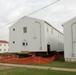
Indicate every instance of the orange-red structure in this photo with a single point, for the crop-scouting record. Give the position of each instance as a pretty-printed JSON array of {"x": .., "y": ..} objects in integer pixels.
[{"x": 30, "y": 60}]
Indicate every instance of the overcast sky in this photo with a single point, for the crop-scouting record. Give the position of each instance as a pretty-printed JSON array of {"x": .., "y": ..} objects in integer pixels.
[{"x": 56, "y": 14}]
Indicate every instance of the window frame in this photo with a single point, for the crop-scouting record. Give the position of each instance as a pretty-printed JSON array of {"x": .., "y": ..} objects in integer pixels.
[{"x": 24, "y": 29}]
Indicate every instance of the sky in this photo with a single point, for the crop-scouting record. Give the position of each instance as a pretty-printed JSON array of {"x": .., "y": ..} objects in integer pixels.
[{"x": 56, "y": 14}]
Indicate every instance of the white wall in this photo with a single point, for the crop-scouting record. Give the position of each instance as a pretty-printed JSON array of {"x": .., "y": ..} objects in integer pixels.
[
  {"x": 70, "y": 54},
  {"x": 32, "y": 36},
  {"x": 4, "y": 47},
  {"x": 54, "y": 38}
]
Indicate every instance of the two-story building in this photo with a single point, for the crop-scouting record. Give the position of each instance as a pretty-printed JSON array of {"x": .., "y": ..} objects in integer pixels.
[{"x": 4, "y": 46}]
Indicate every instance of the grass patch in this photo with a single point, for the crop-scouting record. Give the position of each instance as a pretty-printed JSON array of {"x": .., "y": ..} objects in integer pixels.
[
  {"x": 61, "y": 64},
  {"x": 27, "y": 71},
  {"x": 3, "y": 67}
]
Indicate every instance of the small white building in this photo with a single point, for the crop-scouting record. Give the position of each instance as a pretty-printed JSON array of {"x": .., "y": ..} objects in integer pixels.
[
  {"x": 4, "y": 46},
  {"x": 70, "y": 40},
  {"x": 34, "y": 35}
]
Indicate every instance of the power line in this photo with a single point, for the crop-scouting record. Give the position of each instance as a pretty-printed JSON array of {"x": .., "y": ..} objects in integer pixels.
[
  {"x": 7, "y": 24},
  {"x": 43, "y": 8},
  {"x": 32, "y": 13}
]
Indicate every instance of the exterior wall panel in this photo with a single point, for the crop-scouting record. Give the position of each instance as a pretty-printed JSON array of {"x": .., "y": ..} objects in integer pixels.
[{"x": 69, "y": 35}]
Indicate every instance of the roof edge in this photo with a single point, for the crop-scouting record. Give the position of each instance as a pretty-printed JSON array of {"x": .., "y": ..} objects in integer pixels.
[{"x": 53, "y": 27}]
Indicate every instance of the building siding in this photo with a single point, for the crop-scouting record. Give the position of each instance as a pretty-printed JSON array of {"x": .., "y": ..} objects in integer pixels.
[{"x": 69, "y": 53}]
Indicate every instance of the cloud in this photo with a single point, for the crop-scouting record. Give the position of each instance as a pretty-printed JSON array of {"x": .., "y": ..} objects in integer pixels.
[{"x": 56, "y": 15}]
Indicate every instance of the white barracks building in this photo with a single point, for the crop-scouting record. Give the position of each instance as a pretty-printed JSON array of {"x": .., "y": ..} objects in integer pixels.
[
  {"x": 70, "y": 40},
  {"x": 34, "y": 35},
  {"x": 4, "y": 46}
]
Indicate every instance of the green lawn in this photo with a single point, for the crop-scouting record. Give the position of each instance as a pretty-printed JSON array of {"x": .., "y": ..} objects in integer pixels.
[
  {"x": 27, "y": 71},
  {"x": 61, "y": 64}
]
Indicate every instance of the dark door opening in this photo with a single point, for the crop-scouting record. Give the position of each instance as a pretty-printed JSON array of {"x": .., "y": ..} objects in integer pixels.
[{"x": 48, "y": 49}]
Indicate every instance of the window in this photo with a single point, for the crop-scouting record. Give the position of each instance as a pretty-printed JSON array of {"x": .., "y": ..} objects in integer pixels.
[
  {"x": 26, "y": 43},
  {"x": 13, "y": 29},
  {"x": 4, "y": 49},
  {"x": 4, "y": 44},
  {"x": 52, "y": 30},
  {"x": 59, "y": 44},
  {"x": 0, "y": 49},
  {"x": 13, "y": 42},
  {"x": 58, "y": 35},
  {"x": 47, "y": 29},
  {"x": 23, "y": 43},
  {"x": 0, "y": 44},
  {"x": 25, "y": 29}
]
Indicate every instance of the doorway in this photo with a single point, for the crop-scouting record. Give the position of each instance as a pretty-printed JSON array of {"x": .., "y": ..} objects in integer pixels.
[{"x": 48, "y": 49}]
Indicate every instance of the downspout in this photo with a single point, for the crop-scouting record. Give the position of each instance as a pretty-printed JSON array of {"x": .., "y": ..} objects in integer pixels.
[{"x": 40, "y": 35}]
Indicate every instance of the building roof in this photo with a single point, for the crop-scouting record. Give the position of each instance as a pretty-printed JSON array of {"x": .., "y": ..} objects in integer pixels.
[
  {"x": 3, "y": 41},
  {"x": 74, "y": 18},
  {"x": 53, "y": 28},
  {"x": 41, "y": 20}
]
